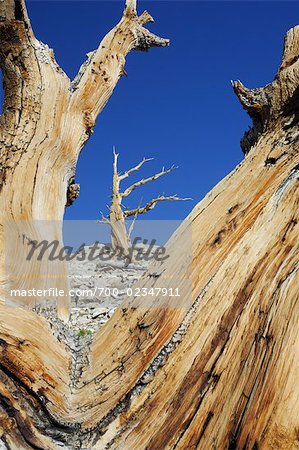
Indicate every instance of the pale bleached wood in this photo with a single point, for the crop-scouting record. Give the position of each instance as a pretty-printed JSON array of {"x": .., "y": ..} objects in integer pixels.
[
  {"x": 46, "y": 121},
  {"x": 218, "y": 370},
  {"x": 120, "y": 235},
  {"x": 234, "y": 369}
]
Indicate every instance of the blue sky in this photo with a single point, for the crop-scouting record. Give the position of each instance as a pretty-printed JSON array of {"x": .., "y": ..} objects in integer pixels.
[{"x": 177, "y": 104}]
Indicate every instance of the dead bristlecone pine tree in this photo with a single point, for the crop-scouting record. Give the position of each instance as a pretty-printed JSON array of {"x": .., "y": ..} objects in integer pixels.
[
  {"x": 219, "y": 371},
  {"x": 120, "y": 233}
]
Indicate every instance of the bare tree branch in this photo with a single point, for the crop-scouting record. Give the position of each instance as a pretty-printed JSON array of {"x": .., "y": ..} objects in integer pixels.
[
  {"x": 104, "y": 219},
  {"x": 134, "y": 221},
  {"x": 128, "y": 172},
  {"x": 152, "y": 203},
  {"x": 130, "y": 8},
  {"x": 264, "y": 105},
  {"x": 99, "y": 75},
  {"x": 115, "y": 159},
  {"x": 145, "y": 18},
  {"x": 146, "y": 180}
]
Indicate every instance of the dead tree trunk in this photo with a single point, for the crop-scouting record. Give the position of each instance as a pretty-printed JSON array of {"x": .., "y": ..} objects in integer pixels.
[
  {"x": 47, "y": 120},
  {"x": 120, "y": 235},
  {"x": 219, "y": 372}
]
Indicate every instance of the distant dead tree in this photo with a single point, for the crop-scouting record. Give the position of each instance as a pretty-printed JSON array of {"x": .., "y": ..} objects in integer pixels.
[{"x": 120, "y": 234}]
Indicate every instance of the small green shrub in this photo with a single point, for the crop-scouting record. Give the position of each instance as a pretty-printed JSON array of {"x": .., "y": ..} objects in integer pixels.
[{"x": 83, "y": 332}]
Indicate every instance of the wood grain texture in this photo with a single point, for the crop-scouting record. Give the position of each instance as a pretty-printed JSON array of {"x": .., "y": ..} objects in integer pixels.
[
  {"x": 218, "y": 371},
  {"x": 46, "y": 121}
]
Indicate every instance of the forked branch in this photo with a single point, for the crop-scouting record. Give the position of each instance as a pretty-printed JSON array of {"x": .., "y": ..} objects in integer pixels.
[
  {"x": 146, "y": 180},
  {"x": 133, "y": 169},
  {"x": 152, "y": 203},
  {"x": 99, "y": 75}
]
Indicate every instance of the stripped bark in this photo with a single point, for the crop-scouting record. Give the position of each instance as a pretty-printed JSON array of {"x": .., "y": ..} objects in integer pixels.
[
  {"x": 47, "y": 119},
  {"x": 266, "y": 105},
  {"x": 218, "y": 372}
]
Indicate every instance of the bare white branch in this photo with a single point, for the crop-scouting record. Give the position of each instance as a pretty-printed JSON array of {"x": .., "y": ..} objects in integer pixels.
[
  {"x": 152, "y": 203},
  {"x": 137, "y": 167},
  {"x": 146, "y": 180},
  {"x": 115, "y": 159},
  {"x": 100, "y": 73},
  {"x": 134, "y": 220},
  {"x": 104, "y": 219}
]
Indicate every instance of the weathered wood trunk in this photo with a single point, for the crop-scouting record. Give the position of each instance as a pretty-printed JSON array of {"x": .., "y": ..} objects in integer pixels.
[
  {"x": 219, "y": 372},
  {"x": 119, "y": 235},
  {"x": 47, "y": 120}
]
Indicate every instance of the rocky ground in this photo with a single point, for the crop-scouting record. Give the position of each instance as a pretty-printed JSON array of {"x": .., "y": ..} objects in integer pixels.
[{"x": 100, "y": 287}]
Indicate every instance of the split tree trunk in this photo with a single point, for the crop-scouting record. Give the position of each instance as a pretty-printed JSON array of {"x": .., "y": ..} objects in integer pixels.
[
  {"x": 221, "y": 370},
  {"x": 47, "y": 120}
]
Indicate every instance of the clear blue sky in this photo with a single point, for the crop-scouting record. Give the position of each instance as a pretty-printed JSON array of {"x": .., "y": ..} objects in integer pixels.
[{"x": 177, "y": 104}]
